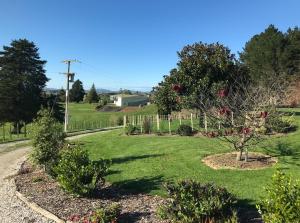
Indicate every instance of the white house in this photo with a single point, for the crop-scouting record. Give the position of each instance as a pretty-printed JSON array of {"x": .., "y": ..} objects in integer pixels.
[{"x": 130, "y": 100}]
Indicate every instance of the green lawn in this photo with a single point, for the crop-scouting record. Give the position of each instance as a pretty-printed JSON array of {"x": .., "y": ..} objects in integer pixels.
[
  {"x": 85, "y": 116},
  {"x": 143, "y": 163}
]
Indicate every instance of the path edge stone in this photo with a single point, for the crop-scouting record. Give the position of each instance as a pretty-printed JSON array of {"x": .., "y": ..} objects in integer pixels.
[{"x": 36, "y": 208}]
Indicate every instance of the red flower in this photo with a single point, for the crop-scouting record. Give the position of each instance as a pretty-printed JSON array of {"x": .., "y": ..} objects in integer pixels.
[
  {"x": 177, "y": 88},
  {"x": 264, "y": 114},
  {"x": 224, "y": 111},
  {"x": 246, "y": 130},
  {"x": 223, "y": 93}
]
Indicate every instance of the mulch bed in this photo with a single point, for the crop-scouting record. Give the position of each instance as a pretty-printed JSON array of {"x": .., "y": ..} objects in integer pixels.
[
  {"x": 228, "y": 161},
  {"x": 38, "y": 187}
]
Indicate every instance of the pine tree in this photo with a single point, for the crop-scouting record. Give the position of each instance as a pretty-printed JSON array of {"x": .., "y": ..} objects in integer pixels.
[
  {"x": 77, "y": 92},
  {"x": 22, "y": 79},
  {"x": 92, "y": 96}
]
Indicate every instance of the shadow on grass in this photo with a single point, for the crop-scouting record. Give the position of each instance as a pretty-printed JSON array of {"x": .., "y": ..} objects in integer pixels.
[
  {"x": 130, "y": 187},
  {"x": 247, "y": 212},
  {"x": 288, "y": 154},
  {"x": 119, "y": 160}
]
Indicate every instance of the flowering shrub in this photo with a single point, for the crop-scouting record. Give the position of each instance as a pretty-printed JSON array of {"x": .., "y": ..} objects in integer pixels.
[
  {"x": 192, "y": 202},
  {"x": 102, "y": 215},
  {"x": 224, "y": 111},
  {"x": 282, "y": 200},
  {"x": 177, "y": 88},
  {"x": 223, "y": 93}
]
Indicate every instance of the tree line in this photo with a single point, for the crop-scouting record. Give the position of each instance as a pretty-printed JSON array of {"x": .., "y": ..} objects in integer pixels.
[{"x": 202, "y": 69}]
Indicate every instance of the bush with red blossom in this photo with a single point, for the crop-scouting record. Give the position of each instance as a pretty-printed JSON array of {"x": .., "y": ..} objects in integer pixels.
[
  {"x": 177, "y": 88},
  {"x": 264, "y": 114},
  {"x": 223, "y": 93},
  {"x": 224, "y": 111},
  {"x": 246, "y": 130}
]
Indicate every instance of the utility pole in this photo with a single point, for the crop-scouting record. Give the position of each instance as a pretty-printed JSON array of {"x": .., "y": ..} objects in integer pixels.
[{"x": 70, "y": 78}]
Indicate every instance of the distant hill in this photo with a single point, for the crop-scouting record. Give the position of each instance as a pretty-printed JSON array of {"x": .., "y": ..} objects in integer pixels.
[{"x": 104, "y": 91}]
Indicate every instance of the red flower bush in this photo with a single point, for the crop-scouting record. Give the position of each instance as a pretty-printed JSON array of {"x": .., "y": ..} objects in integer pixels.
[
  {"x": 224, "y": 111},
  {"x": 264, "y": 114},
  {"x": 246, "y": 131},
  {"x": 177, "y": 88},
  {"x": 223, "y": 93}
]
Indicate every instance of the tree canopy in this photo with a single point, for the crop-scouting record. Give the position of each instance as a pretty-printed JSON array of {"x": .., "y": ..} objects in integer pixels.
[
  {"x": 77, "y": 92},
  {"x": 92, "y": 96},
  {"x": 201, "y": 68},
  {"x": 22, "y": 79},
  {"x": 272, "y": 54}
]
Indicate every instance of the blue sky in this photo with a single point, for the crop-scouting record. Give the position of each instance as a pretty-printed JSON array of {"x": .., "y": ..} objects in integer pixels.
[{"x": 133, "y": 43}]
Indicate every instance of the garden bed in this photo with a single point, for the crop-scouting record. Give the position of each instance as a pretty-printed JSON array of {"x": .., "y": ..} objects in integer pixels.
[
  {"x": 228, "y": 161},
  {"x": 38, "y": 187}
]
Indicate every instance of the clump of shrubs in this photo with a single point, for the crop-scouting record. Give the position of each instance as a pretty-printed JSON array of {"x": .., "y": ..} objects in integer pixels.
[
  {"x": 47, "y": 140},
  {"x": 79, "y": 175},
  {"x": 130, "y": 129},
  {"x": 185, "y": 130},
  {"x": 190, "y": 202},
  {"x": 109, "y": 214},
  {"x": 280, "y": 125},
  {"x": 282, "y": 200}
]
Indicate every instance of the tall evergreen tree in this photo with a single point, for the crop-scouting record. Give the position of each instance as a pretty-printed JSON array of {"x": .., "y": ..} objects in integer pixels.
[
  {"x": 92, "y": 96},
  {"x": 77, "y": 92},
  {"x": 62, "y": 95},
  {"x": 263, "y": 54},
  {"x": 22, "y": 79}
]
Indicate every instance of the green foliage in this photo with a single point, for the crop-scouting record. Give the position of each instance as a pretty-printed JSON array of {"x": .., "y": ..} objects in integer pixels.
[
  {"x": 282, "y": 200},
  {"x": 130, "y": 129},
  {"x": 147, "y": 125},
  {"x": 50, "y": 101},
  {"x": 77, "y": 92},
  {"x": 272, "y": 54},
  {"x": 192, "y": 202},
  {"x": 77, "y": 174},
  {"x": 62, "y": 95},
  {"x": 47, "y": 140},
  {"x": 280, "y": 124},
  {"x": 22, "y": 79},
  {"x": 202, "y": 68},
  {"x": 108, "y": 214},
  {"x": 92, "y": 96},
  {"x": 185, "y": 130}
]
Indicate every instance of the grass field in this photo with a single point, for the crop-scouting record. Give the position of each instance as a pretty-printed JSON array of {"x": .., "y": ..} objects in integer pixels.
[{"x": 143, "y": 163}]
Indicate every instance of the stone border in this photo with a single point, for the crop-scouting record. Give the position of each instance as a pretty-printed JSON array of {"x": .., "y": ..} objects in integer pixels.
[
  {"x": 209, "y": 164},
  {"x": 38, "y": 209}
]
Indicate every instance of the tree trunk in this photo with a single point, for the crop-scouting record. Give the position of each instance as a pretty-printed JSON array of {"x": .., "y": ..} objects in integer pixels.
[
  {"x": 17, "y": 126},
  {"x": 246, "y": 155},
  {"x": 239, "y": 155}
]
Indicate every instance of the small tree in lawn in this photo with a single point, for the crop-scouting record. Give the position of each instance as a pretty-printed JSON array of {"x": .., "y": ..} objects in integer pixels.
[{"x": 242, "y": 109}]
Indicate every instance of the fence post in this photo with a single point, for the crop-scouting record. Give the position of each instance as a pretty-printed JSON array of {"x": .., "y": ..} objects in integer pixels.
[
  {"x": 192, "y": 124},
  {"x": 205, "y": 122},
  {"x": 232, "y": 120},
  {"x": 141, "y": 123},
  {"x": 124, "y": 121},
  {"x": 3, "y": 132},
  {"x": 169, "y": 120},
  {"x": 179, "y": 118},
  {"x": 157, "y": 121},
  {"x": 219, "y": 122},
  {"x": 25, "y": 131}
]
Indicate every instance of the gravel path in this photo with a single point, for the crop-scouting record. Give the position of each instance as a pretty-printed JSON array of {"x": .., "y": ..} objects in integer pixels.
[{"x": 12, "y": 210}]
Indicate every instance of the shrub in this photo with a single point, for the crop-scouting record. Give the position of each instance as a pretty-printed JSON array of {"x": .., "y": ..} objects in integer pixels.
[
  {"x": 47, "y": 140},
  {"x": 130, "y": 129},
  {"x": 185, "y": 130},
  {"x": 120, "y": 121},
  {"x": 280, "y": 125},
  {"x": 77, "y": 174},
  {"x": 102, "y": 215},
  {"x": 192, "y": 202},
  {"x": 282, "y": 200},
  {"x": 147, "y": 126}
]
